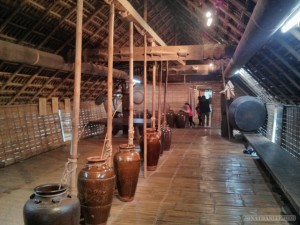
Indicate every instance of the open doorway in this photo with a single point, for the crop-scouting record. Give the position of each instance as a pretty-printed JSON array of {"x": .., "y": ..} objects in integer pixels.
[{"x": 208, "y": 93}]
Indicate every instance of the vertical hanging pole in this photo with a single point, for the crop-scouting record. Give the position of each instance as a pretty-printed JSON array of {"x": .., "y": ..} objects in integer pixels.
[
  {"x": 165, "y": 95},
  {"x": 130, "y": 123},
  {"x": 153, "y": 90},
  {"x": 110, "y": 81},
  {"x": 159, "y": 100},
  {"x": 145, "y": 93},
  {"x": 226, "y": 105},
  {"x": 76, "y": 99}
]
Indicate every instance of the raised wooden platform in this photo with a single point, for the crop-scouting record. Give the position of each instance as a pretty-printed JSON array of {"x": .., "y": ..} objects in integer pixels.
[
  {"x": 284, "y": 168},
  {"x": 203, "y": 180}
]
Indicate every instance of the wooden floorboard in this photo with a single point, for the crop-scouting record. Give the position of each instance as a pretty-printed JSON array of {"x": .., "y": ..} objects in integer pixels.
[{"x": 203, "y": 179}]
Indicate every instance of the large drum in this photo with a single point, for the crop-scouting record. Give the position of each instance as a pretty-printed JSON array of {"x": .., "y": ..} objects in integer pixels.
[{"x": 247, "y": 113}]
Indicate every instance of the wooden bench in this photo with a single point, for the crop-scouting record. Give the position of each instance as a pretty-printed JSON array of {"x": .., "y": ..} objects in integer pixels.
[{"x": 284, "y": 168}]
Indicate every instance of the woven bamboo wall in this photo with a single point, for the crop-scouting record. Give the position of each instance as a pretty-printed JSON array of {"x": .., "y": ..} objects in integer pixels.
[
  {"x": 24, "y": 133},
  {"x": 89, "y": 111}
]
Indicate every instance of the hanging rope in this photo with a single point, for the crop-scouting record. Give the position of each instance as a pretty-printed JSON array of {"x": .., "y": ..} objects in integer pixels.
[
  {"x": 66, "y": 174},
  {"x": 108, "y": 152},
  {"x": 82, "y": 131},
  {"x": 130, "y": 135}
]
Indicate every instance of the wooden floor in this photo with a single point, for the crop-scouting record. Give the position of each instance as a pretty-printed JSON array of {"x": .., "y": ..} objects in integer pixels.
[{"x": 204, "y": 179}]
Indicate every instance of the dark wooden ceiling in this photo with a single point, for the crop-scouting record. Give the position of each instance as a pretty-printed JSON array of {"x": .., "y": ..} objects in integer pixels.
[{"x": 50, "y": 25}]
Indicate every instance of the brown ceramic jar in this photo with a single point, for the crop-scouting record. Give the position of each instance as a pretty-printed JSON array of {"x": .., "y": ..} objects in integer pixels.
[
  {"x": 96, "y": 185},
  {"x": 127, "y": 163},
  {"x": 153, "y": 149}
]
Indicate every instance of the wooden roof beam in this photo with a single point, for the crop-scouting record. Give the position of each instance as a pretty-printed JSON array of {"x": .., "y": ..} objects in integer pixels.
[
  {"x": 284, "y": 62},
  {"x": 127, "y": 11},
  {"x": 163, "y": 53},
  {"x": 273, "y": 75}
]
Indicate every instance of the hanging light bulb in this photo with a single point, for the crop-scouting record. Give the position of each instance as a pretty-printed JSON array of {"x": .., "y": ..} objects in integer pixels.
[
  {"x": 295, "y": 19},
  {"x": 209, "y": 22},
  {"x": 208, "y": 14}
]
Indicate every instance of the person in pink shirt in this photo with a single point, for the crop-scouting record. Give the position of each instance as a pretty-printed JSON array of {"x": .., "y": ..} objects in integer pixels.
[{"x": 190, "y": 113}]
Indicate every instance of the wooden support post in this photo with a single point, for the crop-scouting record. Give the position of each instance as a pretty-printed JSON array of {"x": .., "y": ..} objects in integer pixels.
[
  {"x": 54, "y": 105},
  {"x": 226, "y": 104},
  {"x": 76, "y": 99},
  {"x": 153, "y": 91},
  {"x": 108, "y": 144},
  {"x": 153, "y": 94},
  {"x": 145, "y": 108},
  {"x": 165, "y": 95},
  {"x": 67, "y": 105},
  {"x": 42, "y": 106},
  {"x": 145, "y": 10},
  {"x": 159, "y": 101},
  {"x": 130, "y": 123}
]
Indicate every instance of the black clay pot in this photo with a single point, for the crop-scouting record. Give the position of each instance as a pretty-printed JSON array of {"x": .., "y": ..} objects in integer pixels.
[
  {"x": 181, "y": 119},
  {"x": 167, "y": 136},
  {"x": 51, "y": 204},
  {"x": 170, "y": 116}
]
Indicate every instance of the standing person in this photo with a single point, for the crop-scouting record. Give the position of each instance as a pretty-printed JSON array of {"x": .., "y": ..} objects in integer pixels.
[
  {"x": 205, "y": 111},
  {"x": 199, "y": 112},
  {"x": 190, "y": 113}
]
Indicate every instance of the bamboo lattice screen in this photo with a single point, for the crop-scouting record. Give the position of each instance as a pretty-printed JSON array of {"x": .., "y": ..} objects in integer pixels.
[{"x": 24, "y": 133}]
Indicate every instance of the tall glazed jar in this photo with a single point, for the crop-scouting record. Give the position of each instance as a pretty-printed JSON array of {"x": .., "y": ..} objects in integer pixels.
[
  {"x": 167, "y": 138},
  {"x": 153, "y": 149},
  {"x": 96, "y": 184},
  {"x": 170, "y": 116},
  {"x": 127, "y": 163},
  {"x": 51, "y": 204},
  {"x": 181, "y": 119}
]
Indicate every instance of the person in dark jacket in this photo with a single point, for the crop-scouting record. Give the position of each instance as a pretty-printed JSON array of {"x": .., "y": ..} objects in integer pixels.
[
  {"x": 199, "y": 112},
  {"x": 205, "y": 111}
]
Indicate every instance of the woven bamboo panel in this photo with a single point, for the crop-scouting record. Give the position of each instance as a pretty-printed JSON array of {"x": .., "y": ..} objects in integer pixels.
[
  {"x": 89, "y": 111},
  {"x": 24, "y": 133}
]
